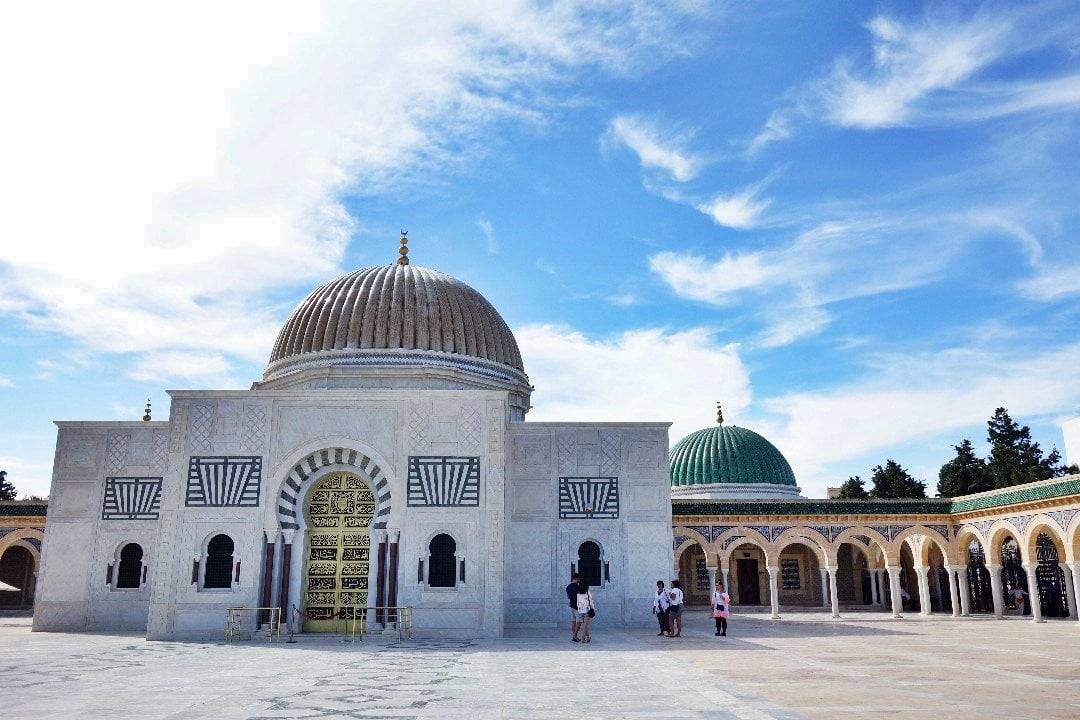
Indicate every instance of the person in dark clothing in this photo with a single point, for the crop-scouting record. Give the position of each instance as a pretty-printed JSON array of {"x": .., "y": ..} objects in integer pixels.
[
  {"x": 660, "y": 608},
  {"x": 571, "y": 599}
]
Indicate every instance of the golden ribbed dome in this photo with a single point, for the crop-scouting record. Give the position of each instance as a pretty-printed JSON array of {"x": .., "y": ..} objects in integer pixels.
[{"x": 396, "y": 307}]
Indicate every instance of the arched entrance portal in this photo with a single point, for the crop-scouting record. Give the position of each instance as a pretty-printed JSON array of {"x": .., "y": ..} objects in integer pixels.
[
  {"x": 17, "y": 570},
  {"x": 337, "y": 561}
]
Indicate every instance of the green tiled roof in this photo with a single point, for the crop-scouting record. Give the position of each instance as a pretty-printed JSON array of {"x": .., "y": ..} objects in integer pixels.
[
  {"x": 23, "y": 509},
  {"x": 1020, "y": 494},
  {"x": 728, "y": 454},
  {"x": 932, "y": 506}
]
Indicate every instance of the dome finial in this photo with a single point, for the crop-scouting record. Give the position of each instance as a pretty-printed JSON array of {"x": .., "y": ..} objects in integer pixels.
[
  {"x": 719, "y": 414},
  {"x": 403, "y": 251},
  {"x": 146, "y": 413}
]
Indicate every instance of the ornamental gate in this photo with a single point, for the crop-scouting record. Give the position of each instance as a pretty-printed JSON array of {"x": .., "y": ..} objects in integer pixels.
[{"x": 338, "y": 560}]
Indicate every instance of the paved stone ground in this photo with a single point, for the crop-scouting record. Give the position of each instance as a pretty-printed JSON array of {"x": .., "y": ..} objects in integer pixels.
[{"x": 804, "y": 666}]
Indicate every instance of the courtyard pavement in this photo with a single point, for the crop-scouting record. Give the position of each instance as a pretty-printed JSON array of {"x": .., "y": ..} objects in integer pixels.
[{"x": 806, "y": 665}]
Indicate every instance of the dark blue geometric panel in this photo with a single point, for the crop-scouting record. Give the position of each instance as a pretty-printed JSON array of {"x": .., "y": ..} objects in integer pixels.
[
  {"x": 224, "y": 481},
  {"x": 131, "y": 498},
  {"x": 588, "y": 498},
  {"x": 444, "y": 481}
]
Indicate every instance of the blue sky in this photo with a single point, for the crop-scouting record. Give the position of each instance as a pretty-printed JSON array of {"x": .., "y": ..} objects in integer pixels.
[{"x": 856, "y": 225}]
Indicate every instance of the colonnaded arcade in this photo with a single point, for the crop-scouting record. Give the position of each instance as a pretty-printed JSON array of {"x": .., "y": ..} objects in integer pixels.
[{"x": 384, "y": 460}]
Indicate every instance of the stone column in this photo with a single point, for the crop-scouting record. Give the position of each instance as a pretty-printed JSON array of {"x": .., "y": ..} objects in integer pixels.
[
  {"x": 924, "y": 590},
  {"x": 965, "y": 590},
  {"x": 834, "y": 594},
  {"x": 954, "y": 597},
  {"x": 380, "y": 579},
  {"x": 774, "y": 593},
  {"x": 286, "y": 564},
  {"x": 874, "y": 598},
  {"x": 712, "y": 581},
  {"x": 392, "y": 573},
  {"x": 727, "y": 588},
  {"x": 267, "y": 589},
  {"x": 995, "y": 590},
  {"x": 1075, "y": 567},
  {"x": 824, "y": 587},
  {"x": 894, "y": 590},
  {"x": 1033, "y": 593},
  {"x": 1070, "y": 588}
]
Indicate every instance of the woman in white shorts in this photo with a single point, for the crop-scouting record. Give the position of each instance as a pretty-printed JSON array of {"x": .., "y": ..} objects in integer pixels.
[{"x": 585, "y": 610}]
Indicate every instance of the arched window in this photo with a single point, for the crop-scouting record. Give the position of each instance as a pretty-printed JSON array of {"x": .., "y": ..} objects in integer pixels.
[
  {"x": 441, "y": 562},
  {"x": 219, "y": 562},
  {"x": 129, "y": 575},
  {"x": 589, "y": 565}
]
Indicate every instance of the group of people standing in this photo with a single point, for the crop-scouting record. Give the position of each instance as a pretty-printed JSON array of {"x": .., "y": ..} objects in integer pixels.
[{"x": 667, "y": 606}]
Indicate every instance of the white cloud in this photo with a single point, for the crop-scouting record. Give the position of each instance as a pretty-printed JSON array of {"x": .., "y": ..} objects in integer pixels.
[
  {"x": 934, "y": 70},
  {"x": 164, "y": 168},
  {"x": 6, "y": 382},
  {"x": 206, "y": 369},
  {"x": 656, "y": 147},
  {"x": 696, "y": 278},
  {"x": 488, "y": 231},
  {"x": 910, "y": 62},
  {"x": 642, "y": 374},
  {"x": 1051, "y": 283},
  {"x": 739, "y": 211},
  {"x": 546, "y": 267},
  {"x": 623, "y": 299},
  {"x": 794, "y": 324},
  {"x": 28, "y": 477},
  {"x": 790, "y": 287},
  {"x": 915, "y": 396}
]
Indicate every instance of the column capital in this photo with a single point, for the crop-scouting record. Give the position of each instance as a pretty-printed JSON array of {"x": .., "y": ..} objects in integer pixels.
[
  {"x": 773, "y": 569},
  {"x": 1074, "y": 564},
  {"x": 271, "y": 534},
  {"x": 831, "y": 569},
  {"x": 1029, "y": 567},
  {"x": 993, "y": 567},
  {"x": 393, "y": 535},
  {"x": 287, "y": 536},
  {"x": 379, "y": 536}
]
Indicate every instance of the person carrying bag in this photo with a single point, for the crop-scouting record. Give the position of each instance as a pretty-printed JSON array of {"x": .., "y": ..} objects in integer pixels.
[{"x": 721, "y": 603}]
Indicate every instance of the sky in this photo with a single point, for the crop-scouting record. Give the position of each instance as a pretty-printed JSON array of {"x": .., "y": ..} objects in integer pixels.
[{"x": 856, "y": 225}]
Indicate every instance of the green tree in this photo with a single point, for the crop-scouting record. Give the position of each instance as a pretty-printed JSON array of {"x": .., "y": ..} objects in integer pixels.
[
  {"x": 7, "y": 490},
  {"x": 1014, "y": 457},
  {"x": 853, "y": 489},
  {"x": 965, "y": 474},
  {"x": 891, "y": 481}
]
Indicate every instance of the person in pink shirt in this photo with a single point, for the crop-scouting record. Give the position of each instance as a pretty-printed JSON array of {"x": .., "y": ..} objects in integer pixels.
[{"x": 721, "y": 603}]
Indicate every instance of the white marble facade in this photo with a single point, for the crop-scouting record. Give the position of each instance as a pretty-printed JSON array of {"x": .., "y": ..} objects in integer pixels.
[
  {"x": 409, "y": 380},
  {"x": 517, "y": 543}
]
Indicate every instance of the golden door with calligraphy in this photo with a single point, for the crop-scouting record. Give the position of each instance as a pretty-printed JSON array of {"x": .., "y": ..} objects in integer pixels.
[{"x": 339, "y": 512}]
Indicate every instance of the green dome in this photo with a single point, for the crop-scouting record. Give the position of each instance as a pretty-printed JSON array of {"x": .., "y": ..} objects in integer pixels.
[{"x": 728, "y": 454}]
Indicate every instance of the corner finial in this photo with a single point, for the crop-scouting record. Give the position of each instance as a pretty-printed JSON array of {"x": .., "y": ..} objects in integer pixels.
[
  {"x": 146, "y": 413},
  {"x": 403, "y": 251},
  {"x": 719, "y": 414}
]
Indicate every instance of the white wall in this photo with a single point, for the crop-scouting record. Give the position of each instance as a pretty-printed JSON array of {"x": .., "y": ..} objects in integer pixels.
[
  {"x": 72, "y": 592},
  {"x": 541, "y": 546}
]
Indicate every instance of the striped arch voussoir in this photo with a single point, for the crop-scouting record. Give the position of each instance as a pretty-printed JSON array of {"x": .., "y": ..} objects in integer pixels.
[{"x": 301, "y": 473}]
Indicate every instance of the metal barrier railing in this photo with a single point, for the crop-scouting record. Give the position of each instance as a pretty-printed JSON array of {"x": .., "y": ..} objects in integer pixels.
[
  {"x": 396, "y": 618},
  {"x": 235, "y": 622}
]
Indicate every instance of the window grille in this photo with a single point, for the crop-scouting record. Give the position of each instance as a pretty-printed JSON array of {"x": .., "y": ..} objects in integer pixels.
[
  {"x": 442, "y": 564},
  {"x": 219, "y": 562},
  {"x": 589, "y": 564},
  {"x": 129, "y": 574}
]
